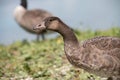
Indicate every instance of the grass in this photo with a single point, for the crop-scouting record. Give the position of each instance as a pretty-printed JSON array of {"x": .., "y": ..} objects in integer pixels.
[{"x": 44, "y": 60}]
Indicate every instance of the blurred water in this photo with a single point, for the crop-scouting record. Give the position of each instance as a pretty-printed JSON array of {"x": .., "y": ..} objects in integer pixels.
[{"x": 81, "y": 14}]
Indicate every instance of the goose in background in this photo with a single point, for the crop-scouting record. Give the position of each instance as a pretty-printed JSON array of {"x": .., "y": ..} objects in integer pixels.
[
  {"x": 28, "y": 18},
  {"x": 99, "y": 55}
]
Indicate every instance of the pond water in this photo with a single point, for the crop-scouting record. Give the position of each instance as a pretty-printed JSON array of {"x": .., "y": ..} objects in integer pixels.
[{"x": 79, "y": 14}]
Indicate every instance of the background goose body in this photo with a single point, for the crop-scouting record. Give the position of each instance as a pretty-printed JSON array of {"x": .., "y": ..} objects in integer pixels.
[
  {"x": 28, "y": 18},
  {"x": 99, "y": 55}
]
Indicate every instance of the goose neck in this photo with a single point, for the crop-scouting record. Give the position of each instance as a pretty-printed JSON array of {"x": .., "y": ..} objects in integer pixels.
[
  {"x": 71, "y": 45},
  {"x": 68, "y": 35}
]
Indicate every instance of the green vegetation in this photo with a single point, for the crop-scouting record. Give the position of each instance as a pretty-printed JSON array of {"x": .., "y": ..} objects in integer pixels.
[{"x": 44, "y": 60}]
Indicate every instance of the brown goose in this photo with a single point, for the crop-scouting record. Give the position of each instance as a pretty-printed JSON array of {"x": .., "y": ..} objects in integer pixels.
[
  {"x": 99, "y": 55},
  {"x": 28, "y": 18}
]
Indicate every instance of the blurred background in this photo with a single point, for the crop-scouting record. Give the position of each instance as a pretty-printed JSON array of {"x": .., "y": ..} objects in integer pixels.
[{"x": 79, "y": 14}]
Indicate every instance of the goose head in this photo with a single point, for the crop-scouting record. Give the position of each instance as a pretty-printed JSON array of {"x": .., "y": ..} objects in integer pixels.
[{"x": 50, "y": 23}]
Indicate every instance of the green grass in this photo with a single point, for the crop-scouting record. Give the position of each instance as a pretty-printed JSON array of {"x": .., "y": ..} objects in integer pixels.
[{"x": 44, "y": 60}]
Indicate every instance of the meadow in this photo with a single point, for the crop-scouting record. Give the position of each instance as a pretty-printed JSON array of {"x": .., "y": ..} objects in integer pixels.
[{"x": 44, "y": 60}]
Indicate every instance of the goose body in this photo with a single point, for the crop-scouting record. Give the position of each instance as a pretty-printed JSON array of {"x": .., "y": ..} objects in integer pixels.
[
  {"x": 28, "y": 18},
  {"x": 99, "y": 55}
]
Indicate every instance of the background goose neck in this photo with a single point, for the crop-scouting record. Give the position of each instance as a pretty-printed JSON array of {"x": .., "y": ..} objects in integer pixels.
[{"x": 24, "y": 3}]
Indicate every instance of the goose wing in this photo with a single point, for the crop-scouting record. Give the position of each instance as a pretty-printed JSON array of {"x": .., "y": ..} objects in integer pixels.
[{"x": 101, "y": 55}]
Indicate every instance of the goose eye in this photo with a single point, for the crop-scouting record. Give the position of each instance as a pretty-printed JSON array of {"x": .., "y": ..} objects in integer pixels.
[
  {"x": 39, "y": 24},
  {"x": 50, "y": 20}
]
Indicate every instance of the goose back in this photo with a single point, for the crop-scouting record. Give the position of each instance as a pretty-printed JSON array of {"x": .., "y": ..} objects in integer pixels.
[{"x": 101, "y": 56}]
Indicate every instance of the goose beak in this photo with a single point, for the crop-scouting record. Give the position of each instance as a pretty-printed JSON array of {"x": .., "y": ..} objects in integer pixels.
[{"x": 39, "y": 27}]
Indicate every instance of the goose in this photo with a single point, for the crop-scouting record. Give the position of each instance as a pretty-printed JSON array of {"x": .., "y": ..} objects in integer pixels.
[
  {"x": 28, "y": 18},
  {"x": 99, "y": 55}
]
